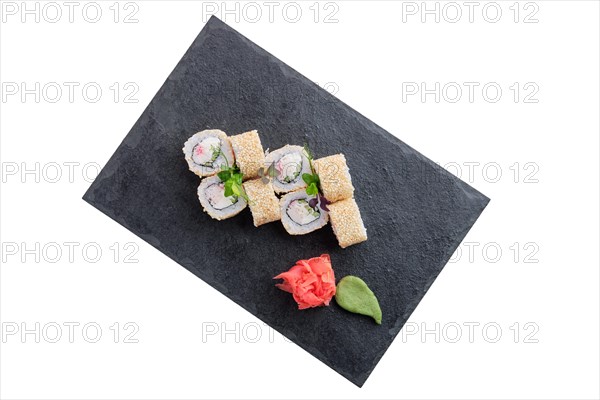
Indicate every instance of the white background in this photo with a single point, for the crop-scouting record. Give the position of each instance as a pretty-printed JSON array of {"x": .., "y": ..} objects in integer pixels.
[{"x": 540, "y": 290}]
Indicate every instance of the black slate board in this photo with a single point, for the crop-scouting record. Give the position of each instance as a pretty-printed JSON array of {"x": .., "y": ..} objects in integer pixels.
[{"x": 416, "y": 213}]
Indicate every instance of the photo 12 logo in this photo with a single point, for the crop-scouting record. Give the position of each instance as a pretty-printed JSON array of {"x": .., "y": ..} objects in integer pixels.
[
  {"x": 470, "y": 332},
  {"x": 493, "y": 252},
  {"x": 494, "y": 172},
  {"x": 69, "y": 332},
  {"x": 68, "y": 252},
  {"x": 69, "y": 92},
  {"x": 49, "y": 172},
  {"x": 53, "y": 12},
  {"x": 272, "y": 11},
  {"x": 453, "y": 12},
  {"x": 469, "y": 92}
]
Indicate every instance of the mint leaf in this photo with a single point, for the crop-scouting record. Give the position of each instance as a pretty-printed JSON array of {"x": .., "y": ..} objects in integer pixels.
[
  {"x": 228, "y": 188},
  {"x": 312, "y": 189},
  {"x": 237, "y": 178},
  {"x": 224, "y": 175},
  {"x": 307, "y": 178},
  {"x": 312, "y": 180},
  {"x": 232, "y": 179},
  {"x": 354, "y": 295}
]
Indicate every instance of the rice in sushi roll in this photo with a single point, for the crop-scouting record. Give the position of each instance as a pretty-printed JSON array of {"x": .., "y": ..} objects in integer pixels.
[
  {"x": 347, "y": 223},
  {"x": 334, "y": 177},
  {"x": 298, "y": 217},
  {"x": 289, "y": 163},
  {"x": 249, "y": 153},
  {"x": 264, "y": 205},
  {"x": 211, "y": 194},
  {"x": 207, "y": 151}
]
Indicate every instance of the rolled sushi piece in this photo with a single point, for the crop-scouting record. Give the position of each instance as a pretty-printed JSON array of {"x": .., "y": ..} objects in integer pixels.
[
  {"x": 298, "y": 217},
  {"x": 334, "y": 177},
  {"x": 207, "y": 151},
  {"x": 264, "y": 205},
  {"x": 289, "y": 163},
  {"x": 347, "y": 223},
  {"x": 211, "y": 194},
  {"x": 249, "y": 153}
]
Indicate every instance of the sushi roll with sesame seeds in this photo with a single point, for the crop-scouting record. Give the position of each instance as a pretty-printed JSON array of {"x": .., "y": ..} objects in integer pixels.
[
  {"x": 211, "y": 194},
  {"x": 297, "y": 214},
  {"x": 249, "y": 153},
  {"x": 207, "y": 151},
  {"x": 347, "y": 223},
  {"x": 264, "y": 205},
  {"x": 334, "y": 177},
  {"x": 287, "y": 165}
]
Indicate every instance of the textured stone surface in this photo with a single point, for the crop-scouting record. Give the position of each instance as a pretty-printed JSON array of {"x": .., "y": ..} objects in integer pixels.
[{"x": 416, "y": 213}]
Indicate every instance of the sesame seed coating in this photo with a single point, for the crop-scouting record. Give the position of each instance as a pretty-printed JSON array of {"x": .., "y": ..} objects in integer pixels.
[
  {"x": 263, "y": 203},
  {"x": 249, "y": 153},
  {"x": 347, "y": 223},
  {"x": 334, "y": 176}
]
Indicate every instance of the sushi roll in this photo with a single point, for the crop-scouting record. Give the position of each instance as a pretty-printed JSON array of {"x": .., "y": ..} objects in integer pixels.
[
  {"x": 211, "y": 194},
  {"x": 249, "y": 153},
  {"x": 298, "y": 217},
  {"x": 207, "y": 151},
  {"x": 347, "y": 223},
  {"x": 263, "y": 202},
  {"x": 289, "y": 163},
  {"x": 334, "y": 177}
]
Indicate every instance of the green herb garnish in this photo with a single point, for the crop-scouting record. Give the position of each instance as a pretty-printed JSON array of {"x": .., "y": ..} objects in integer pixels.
[
  {"x": 313, "y": 182},
  {"x": 312, "y": 179},
  {"x": 232, "y": 179}
]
